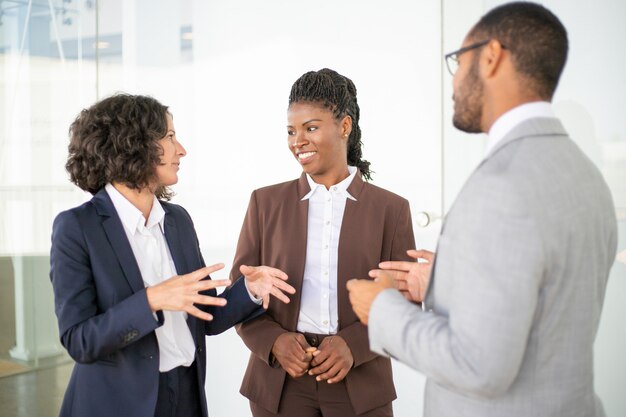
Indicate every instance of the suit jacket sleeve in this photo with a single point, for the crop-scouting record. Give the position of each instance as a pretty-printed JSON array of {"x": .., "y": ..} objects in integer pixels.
[
  {"x": 356, "y": 334},
  {"x": 478, "y": 346},
  {"x": 260, "y": 334},
  {"x": 87, "y": 333}
]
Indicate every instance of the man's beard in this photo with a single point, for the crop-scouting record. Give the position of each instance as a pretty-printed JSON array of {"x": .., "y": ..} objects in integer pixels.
[{"x": 468, "y": 109}]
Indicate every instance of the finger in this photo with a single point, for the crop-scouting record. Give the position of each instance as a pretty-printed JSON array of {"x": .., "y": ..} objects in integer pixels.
[
  {"x": 333, "y": 371},
  {"x": 210, "y": 284},
  {"x": 298, "y": 366},
  {"x": 298, "y": 372},
  {"x": 266, "y": 301},
  {"x": 387, "y": 274},
  {"x": 354, "y": 284},
  {"x": 340, "y": 376},
  {"x": 295, "y": 373},
  {"x": 247, "y": 270},
  {"x": 298, "y": 363},
  {"x": 302, "y": 341},
  {"x": 196, "y": 312},
  {"x": 277, "y": 273},
  {"x": 299, "y": 356},
  {"x": 209, "y": 301},
  {"x": 396, "y": 265},
  {"x": 403, "y": 286},
  {"x": 278, "y": 294},
  {"x": 421, "y": 254},
  {"x": 407, "y": 295},
  {"x": 198, "y": 274},
  {"x": 386, "y": 281},
  {"x": 284, "y": 286},
  {"x": 319, "y": 357},
  {"x": 321, "y": 368}
]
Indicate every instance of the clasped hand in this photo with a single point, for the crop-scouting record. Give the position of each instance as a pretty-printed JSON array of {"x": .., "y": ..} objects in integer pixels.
[{"x": 331, "y": 361}]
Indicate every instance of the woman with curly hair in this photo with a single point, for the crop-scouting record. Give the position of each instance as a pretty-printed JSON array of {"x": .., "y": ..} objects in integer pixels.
[{"x": 133, "y": 296}]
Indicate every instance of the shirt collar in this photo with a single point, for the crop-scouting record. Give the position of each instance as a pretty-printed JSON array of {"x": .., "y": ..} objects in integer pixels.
[
  {"x": 505, "y": 123},
  {"x": 131, "y": 216},
  {"x": 341, "y": 187}
]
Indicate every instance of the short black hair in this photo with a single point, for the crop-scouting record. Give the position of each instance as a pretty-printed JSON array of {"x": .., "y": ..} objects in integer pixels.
[
  {"x": 338, "y": 94},
  {"x": 115, "y": 140},
  {"x": 536, "y": 39}
]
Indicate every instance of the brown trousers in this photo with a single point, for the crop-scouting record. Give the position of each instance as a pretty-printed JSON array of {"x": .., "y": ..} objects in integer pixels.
[{"x": 305, "y": 397}]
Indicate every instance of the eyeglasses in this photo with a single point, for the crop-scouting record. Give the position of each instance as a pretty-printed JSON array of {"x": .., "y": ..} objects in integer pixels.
[{"x": 452, "y": 59}]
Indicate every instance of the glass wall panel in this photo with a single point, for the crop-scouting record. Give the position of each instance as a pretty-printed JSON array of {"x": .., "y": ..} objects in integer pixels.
[{"x": 47, "y": 71}]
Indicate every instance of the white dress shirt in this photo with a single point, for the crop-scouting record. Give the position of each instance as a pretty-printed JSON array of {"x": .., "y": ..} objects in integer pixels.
[
  {"x": 505, "y": 123},
  {"x": 318, "y": 301},
  {"x": 147, "y": 241}
]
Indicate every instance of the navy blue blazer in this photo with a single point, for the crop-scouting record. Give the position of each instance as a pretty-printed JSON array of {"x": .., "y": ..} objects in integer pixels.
[{"x": 105, "y": 322}]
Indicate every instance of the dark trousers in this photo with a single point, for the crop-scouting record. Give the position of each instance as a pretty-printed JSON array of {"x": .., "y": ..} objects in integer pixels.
[
  {"x": 306, "y": 397},
  {"x": 179, "y": 393}
]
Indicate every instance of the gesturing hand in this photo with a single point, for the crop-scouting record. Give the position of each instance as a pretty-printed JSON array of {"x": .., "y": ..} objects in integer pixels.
[
  {"x": 263, "y": 281},
  {"x": 362, "y": 293},
  {"x": 181, "y": 292},
  {"x": 293, "y": 353},
  {"x": 332, "y": 360},
  {"x": 411, "y": 277}
]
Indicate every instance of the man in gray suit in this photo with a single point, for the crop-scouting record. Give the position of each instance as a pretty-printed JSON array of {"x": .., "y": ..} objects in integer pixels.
[{"x": 518, "y": 282}]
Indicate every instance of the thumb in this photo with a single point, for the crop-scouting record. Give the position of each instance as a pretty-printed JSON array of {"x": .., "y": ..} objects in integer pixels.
[
  {"x": 246, "y": 270},
  {"x": 302, "y": 341},
  {"x": 421, "y": 254}
]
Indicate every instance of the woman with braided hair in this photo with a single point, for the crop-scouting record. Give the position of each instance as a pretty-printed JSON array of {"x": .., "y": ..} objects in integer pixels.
[{"x": 311, "y": 357}]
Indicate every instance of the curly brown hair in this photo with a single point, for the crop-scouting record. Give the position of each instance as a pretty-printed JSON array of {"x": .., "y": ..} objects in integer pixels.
[{"x": 115, "y": 140}]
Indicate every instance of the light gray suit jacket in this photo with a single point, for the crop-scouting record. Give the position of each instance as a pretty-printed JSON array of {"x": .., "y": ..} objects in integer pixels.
[{"x": 517, "y": 286}]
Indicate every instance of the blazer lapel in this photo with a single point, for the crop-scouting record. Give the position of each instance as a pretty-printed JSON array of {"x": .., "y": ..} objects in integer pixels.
[
  {"x": 297, "y": 247},
  {"x": 174, "y": 243},
  {"x": 172, "y": 236},
  {"x": 118, "y": 240},
  {"x": 351, "y": 223}
]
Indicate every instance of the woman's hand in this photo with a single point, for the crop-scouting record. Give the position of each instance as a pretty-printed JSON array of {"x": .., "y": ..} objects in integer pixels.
[
  {"x": 293, "y": 353},
  {"x": 332, "y": 360},
  {"x": 263, "y": 281},
  {"x": 181, "y": 292}
]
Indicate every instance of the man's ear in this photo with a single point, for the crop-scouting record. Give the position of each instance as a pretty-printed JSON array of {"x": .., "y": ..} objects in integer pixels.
[{"x": 492, "y": 58}]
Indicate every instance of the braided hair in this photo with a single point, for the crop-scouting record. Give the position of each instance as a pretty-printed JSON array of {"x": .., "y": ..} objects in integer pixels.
[{"x": 338, "y": 94}]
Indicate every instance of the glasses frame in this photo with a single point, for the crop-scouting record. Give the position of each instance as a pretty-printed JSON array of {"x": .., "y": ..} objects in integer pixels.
[{"x": 454, "y": 56}]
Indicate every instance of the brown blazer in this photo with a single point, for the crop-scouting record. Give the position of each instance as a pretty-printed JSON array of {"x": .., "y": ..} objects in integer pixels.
[{"x": 376, "y": 227}]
